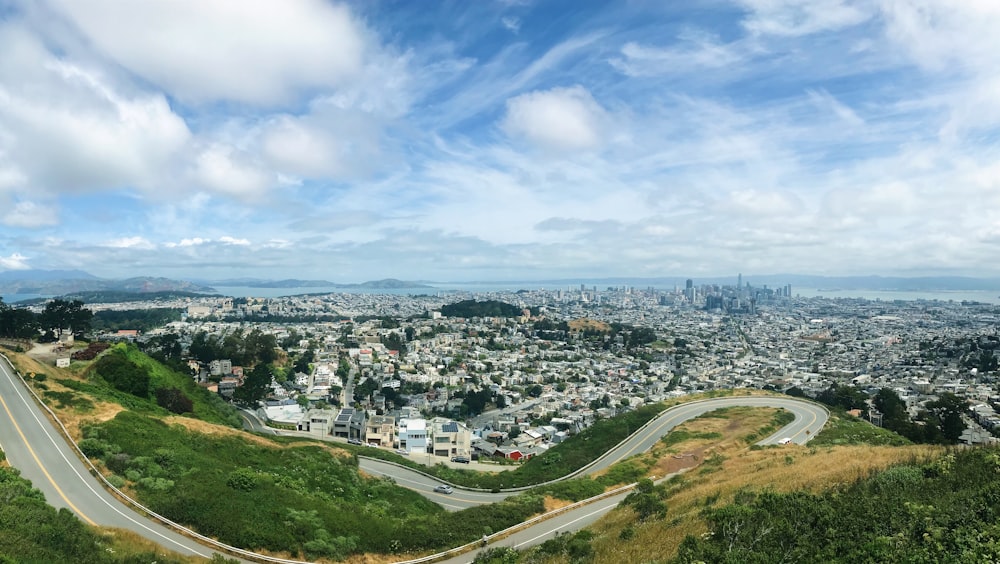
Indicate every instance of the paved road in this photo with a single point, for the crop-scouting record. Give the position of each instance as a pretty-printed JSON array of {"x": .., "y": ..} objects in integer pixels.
[
  {"x": 809, "y": 419},
  {"x": 42, "y": 455}
]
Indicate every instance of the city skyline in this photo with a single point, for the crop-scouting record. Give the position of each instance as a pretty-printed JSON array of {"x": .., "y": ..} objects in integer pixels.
[{"x": 502, "y": 140}]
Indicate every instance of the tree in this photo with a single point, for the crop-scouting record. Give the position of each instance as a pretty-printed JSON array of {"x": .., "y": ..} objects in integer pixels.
[
  {"x": 947, "y": 412},
  {"x": 255, "y": 387},
  {"x": 124, "y": 374},
  {"x": 59, "y": 315},
  {"x": 17, "y": 323},
  {"x": 843, "y": 396}
]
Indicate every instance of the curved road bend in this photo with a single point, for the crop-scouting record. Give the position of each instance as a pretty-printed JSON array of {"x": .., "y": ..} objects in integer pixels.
[
  {"x": 809, "y": 420},
  {"x": 42, "y": 455}
]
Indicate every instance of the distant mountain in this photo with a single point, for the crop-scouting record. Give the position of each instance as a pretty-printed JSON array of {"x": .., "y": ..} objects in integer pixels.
[
  {"x": 391, "y": 283},
  {"x": 52, "y": 283}
]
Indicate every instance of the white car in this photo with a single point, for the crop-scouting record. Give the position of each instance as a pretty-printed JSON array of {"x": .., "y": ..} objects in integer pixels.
[{"x": 785, "y": 441}]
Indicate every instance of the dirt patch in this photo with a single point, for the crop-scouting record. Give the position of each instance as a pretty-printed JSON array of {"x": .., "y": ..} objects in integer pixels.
[
  {"x": 677, "y": 462},
  {"x": 74, "y": 421},
  {"x": 214, "y": 430},
  {"x": 551, "y": 503}
]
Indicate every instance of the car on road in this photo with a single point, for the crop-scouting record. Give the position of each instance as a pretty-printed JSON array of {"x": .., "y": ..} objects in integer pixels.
[
  {"x": 785, "y": 441},
  {"x": 402, "y": 452},
  {"x": 443, "y": 489},
  {"x": 354, "y": 442},
  {"x": 462, "y": 459}
]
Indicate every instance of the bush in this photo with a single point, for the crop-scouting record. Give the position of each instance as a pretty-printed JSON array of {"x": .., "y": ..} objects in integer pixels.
[
  {"x": 124, "y": 374},
  {"x": 117, "y": 481},
  {"x": 93, "y": 448},
  {"x": 244, "y": 479},
  {"x": 174, "y": 400}
]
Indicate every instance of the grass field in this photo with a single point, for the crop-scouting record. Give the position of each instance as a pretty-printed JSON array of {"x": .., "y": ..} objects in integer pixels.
[{"x": 732, "y": 467}]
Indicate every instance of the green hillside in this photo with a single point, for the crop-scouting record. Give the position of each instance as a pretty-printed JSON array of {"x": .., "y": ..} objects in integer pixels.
[
  {"x": 279, "y": 494},
  {"x": 126, "y": 376},
  {"x": 32, "y": 531}
]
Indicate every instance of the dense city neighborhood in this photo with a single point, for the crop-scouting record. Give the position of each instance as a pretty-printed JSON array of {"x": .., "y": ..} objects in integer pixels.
[{"x": 462, "y": 377}]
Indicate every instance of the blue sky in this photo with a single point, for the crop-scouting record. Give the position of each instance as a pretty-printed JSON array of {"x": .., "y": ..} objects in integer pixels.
[{"x": 499, "y": 140}]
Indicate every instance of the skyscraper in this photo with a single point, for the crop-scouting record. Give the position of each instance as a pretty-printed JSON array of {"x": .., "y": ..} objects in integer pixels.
[{"x": 739, "y": 281}]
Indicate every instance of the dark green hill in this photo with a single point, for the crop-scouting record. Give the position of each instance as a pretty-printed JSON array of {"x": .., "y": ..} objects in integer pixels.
[{"x": 473, "y": 308}]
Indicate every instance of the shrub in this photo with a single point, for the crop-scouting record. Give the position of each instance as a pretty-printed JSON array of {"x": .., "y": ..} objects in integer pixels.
[
  {"x": 117, "y": 463},
  {"x": 174, "y": 400},
  {"x": 93, "y": 448},
  {"x": 124, "y": 374},
  {"x": 116, "y": 481},
  {"x": 244, "y": 479}
]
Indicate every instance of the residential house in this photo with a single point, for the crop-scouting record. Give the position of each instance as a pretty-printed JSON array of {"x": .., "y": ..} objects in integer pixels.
[
  {"x": 451, "y": 438},
  {"x": 380, "y": 430},
  {"x": 413, "y": 435}
]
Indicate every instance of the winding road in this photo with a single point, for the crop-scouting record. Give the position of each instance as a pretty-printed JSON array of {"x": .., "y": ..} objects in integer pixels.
[{"x": 34, "y": 446}]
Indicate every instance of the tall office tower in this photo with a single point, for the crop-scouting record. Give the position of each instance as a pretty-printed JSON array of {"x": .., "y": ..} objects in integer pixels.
[
  {"x": 689, "y": 284},
  {"x": 788, "y": 290},
  {"x": 739, "y": 281}
]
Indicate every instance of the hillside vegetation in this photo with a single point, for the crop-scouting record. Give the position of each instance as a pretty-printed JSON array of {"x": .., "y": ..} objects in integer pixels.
[
  {"x": 32, "y": 531},
  {"x": 281, "y": 495},
  {"x": 720, "y": 464}
]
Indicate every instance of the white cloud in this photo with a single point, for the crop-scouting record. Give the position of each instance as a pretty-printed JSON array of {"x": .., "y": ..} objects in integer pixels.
[
  {"x": 232, "y": 172},
  {"x": 511, "y": 23},
  {"x": 803, "y": 17},
  {"x": 227, "y": 240},
  {"x": 189, "y": 242},
  {"x": 825, "y": 102},
  {"x": 15, "y": 261},
  {"x": 68, "y": 128},
  {"x": 135, "y": 242},
  {"x": 696, "y": 52},
  {"x": 560, "y": 118},
  {"x": 957, "y": 43},
  {"x": 28, "y": 214},
  {"x": 253, "y": 51}
]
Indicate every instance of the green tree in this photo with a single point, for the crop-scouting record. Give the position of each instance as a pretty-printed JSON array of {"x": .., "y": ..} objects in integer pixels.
[
  {"x": 123, "y": 374},
  {"x": 255, "y": 386},
  {"x": 17, "y": 323},
  {"x": 59, "y": 315},
  {"x": 947, "y": 411}
]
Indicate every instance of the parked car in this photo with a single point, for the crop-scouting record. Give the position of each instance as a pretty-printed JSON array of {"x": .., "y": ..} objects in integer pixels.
[
  {"x": 354, "y": 441},
  {"x": 402, "y": 452},
  {"x": 443, "y": 489},
  {"x": 462, "y": 459}
]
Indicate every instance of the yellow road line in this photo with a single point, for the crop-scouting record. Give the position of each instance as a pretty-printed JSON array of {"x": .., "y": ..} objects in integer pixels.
[{"x": 40, "y": 465}]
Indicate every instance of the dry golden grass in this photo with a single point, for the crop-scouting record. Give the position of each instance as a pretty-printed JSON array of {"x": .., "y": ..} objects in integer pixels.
[
  {"x": 585, "y": 323},
  {"x": 125, "y": 542},
  {"x": 782, "y": 469}
]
